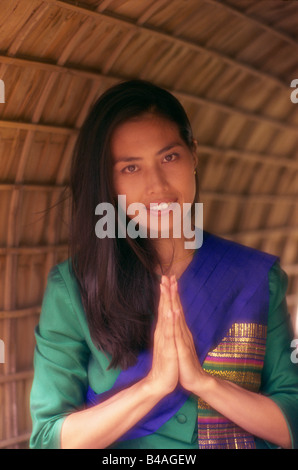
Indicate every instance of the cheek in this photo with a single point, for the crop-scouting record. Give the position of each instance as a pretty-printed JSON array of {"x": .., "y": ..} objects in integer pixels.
[
  {"x": 187, "y": 183},
  {"x": 119, "y": 183},
  {"x": 125, "y": 188}
]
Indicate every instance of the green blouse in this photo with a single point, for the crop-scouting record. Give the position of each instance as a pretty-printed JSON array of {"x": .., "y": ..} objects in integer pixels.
[{"x": 66, "y": 362}]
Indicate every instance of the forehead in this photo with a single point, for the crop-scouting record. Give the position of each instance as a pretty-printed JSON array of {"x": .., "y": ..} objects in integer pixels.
[{"x": 148, "y": 131}]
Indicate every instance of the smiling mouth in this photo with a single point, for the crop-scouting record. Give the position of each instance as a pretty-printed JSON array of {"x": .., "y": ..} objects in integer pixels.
[{"x": 160, "y": 208}]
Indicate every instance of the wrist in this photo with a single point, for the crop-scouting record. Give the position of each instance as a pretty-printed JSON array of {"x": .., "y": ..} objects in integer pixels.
[
  {"x": 154, "y": 389},
  {"x": 204, "y": 385}
]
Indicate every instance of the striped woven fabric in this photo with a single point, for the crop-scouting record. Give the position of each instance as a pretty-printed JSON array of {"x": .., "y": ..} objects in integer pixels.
[{"x": 238, "y": 358}]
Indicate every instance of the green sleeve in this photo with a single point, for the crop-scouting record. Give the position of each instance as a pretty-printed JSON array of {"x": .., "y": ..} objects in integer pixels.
[
  {"x": 280, "y": 373},
  {"x": 60, "y": 365}
]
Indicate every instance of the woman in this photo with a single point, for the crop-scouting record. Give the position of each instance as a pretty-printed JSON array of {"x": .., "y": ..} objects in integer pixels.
[{"x": 143, "y": 343}]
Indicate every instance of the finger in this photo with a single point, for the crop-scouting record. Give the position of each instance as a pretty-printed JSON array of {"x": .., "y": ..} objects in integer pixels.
[
  {"x": 161, "y": 301},
  {"x": 167, "y": 306},
  {"x": 163, "y": 294},
  {"x": 183, "y": 337},
  {"x": 176, "y": 301},
  {"x": 181, "y": 326},
  {"x": 174, "y": 295},
  {"x": 159, "y": 313},
  {"x": 164, "y": 336},
  {"x": 180, "y": 330},
  {"x": 184, "y": 341},
  {"x": 164, "y": 327}
]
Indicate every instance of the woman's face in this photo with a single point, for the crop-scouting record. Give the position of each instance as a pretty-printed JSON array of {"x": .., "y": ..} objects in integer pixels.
[{"x": 153, "y": 165}]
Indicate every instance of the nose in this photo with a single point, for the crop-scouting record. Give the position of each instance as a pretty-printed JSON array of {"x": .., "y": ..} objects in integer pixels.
[{"x": 156, "y": 181}]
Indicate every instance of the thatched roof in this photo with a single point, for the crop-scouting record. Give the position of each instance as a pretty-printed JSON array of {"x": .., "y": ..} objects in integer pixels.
[{"x": 230, "y": 62}]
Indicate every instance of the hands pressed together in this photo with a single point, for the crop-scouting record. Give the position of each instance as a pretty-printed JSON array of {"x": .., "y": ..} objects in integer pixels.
[{"x": 174, "y": 355}]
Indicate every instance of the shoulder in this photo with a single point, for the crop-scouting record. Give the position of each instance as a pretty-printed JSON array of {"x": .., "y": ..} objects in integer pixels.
[
  {"x": 237, "y": 256},
  {"x": 278, "y": 284},
  {"x": 233, "y": 246},
  {"x": 278, "y": 280},
  {"x": 62, "y": 298},
  {"x": 62, "y": 279},
  {"x": 63, "y": 272}
]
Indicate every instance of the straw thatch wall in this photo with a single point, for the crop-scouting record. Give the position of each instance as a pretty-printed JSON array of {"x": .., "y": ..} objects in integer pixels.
[{"x": 230, "y": 62}]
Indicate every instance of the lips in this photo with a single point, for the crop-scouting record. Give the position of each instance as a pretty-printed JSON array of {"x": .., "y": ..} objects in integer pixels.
[
  {"x": 160, "y": 205},
  {"x": 160, "y": 208}
]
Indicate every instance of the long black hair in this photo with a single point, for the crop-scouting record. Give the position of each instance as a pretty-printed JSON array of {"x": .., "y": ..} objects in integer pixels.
[{"x": 116, "y": 276}]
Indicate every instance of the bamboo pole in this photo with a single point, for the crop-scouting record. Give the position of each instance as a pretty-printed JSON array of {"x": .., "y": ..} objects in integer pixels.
[
  {"x": 14, "y": 441},
  {"x": 172, "y": 39},
  {"x": 30, "y": 126},
  {"x": 32, "y": 250},
  {"x": 254, "y": 20},
  {"x": 19, "y": 313},
  {"x": 219, "y": 106},
  {"x": 242, "y": 198}
]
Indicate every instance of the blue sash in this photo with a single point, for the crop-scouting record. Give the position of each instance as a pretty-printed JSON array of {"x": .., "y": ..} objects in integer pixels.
[{"x": 225, "y": 283}]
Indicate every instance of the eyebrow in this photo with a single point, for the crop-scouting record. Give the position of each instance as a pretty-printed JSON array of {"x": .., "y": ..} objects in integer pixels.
[{"x": 132, "y": 159}]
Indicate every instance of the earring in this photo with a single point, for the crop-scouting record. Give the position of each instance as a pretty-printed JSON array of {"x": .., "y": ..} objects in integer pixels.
[{"x": 195, "y": 172}]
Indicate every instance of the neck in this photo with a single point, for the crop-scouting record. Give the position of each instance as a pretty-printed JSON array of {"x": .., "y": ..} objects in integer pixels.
[{"x": 174, "y": 257}]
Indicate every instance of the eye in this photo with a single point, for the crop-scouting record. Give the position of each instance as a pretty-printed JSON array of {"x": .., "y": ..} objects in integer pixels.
[
  {"x": 171, "y": 157},
  {"x": 129, "y": 169}
]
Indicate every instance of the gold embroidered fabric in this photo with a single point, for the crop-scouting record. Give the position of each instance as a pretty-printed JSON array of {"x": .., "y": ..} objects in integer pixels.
[{"x": 238, "y": 358}]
